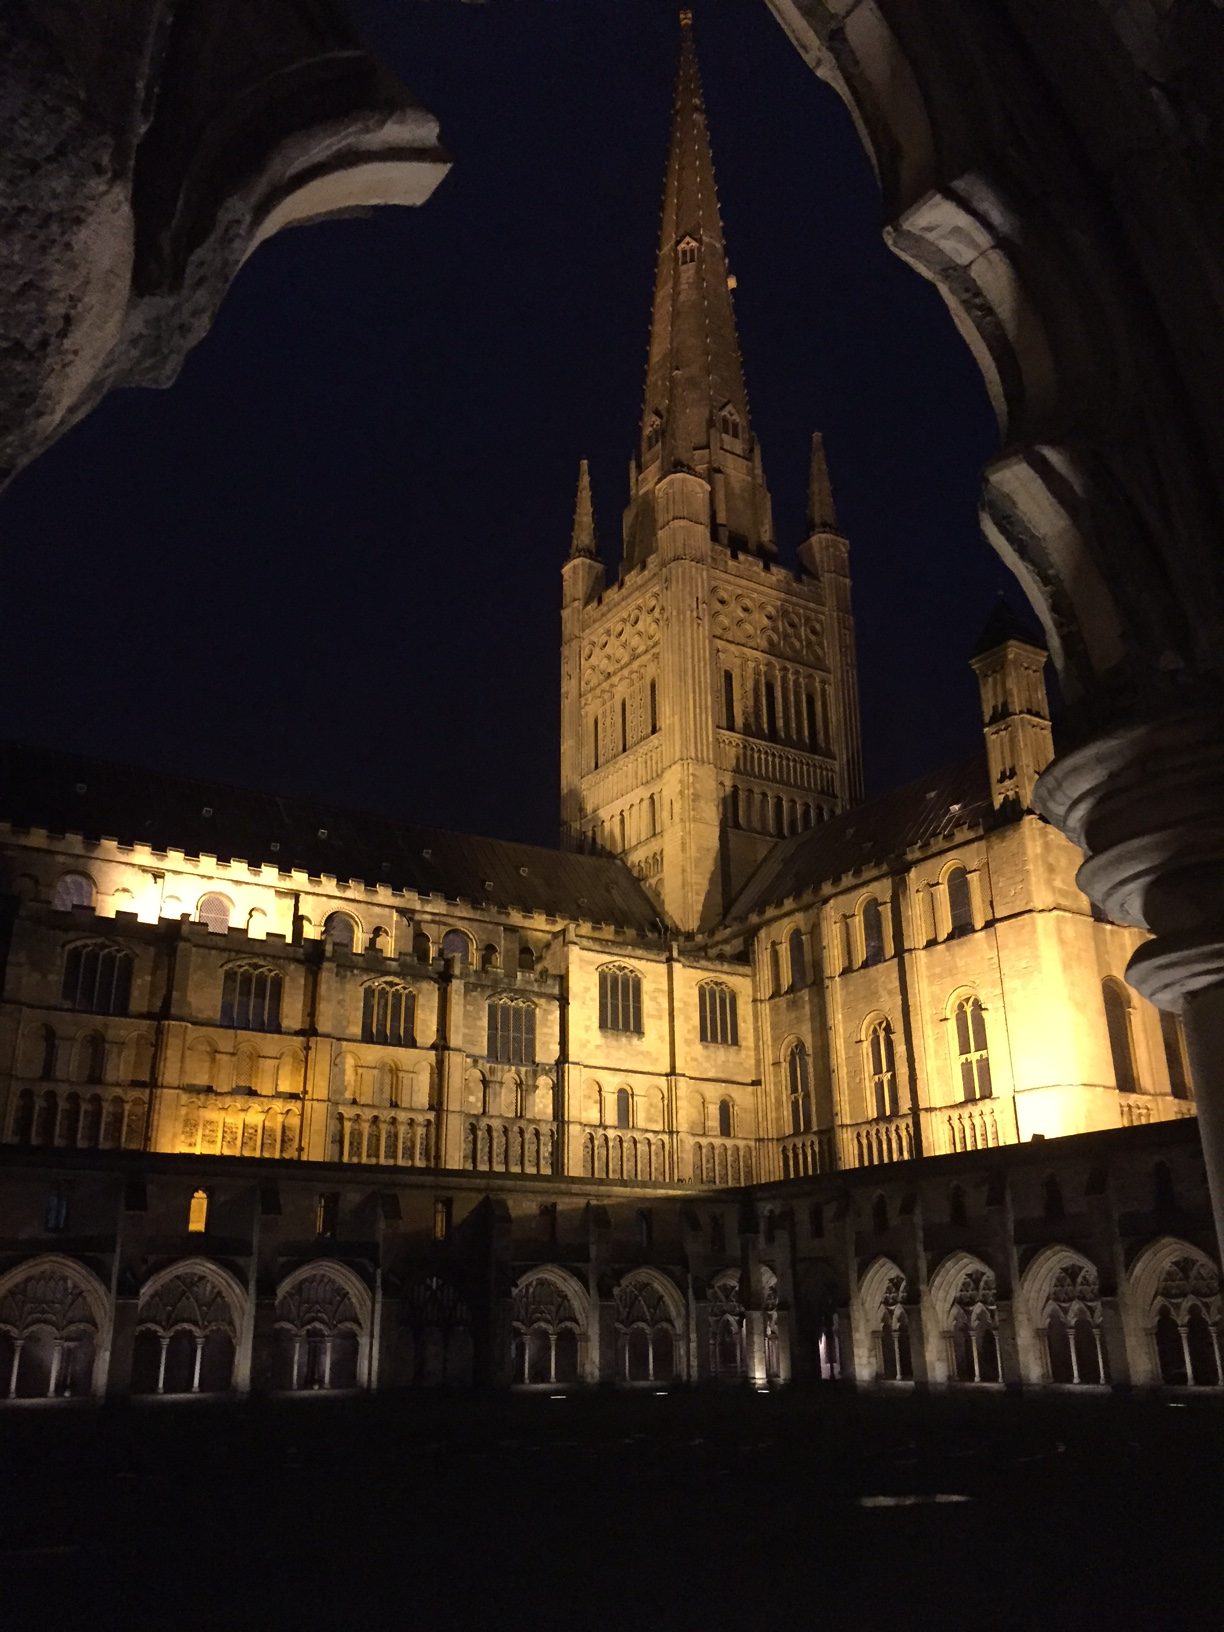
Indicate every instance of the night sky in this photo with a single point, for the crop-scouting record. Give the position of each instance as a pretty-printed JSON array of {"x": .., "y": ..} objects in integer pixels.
[{"x": 327, "y": 561}]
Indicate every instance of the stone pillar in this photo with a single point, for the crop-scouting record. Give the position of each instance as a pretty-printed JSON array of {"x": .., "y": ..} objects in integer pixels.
[{"x": 1146, "y": 805}]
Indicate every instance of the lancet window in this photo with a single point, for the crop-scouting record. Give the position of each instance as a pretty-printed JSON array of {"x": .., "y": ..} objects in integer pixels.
[
  {"x": 186, "y": 1333},
  {"x": 97, "y": 978},
  {"x": 318, "y": 1334},
  {"x": 251, "y": 998},
  {"x": 547, "y": 1329},
  {"x": 512, "y": 1031},
  {"x": 48, "y": 1334},
  {"x": 1121, "y": 1036},
  {"x": 620, "y": 999},
  {"x": 799, "y": 1086},
  {"x": 972, "y": 1054},
  {"x": 718, "y": 1013},
  {"x": 885, "y": 1098},
  {"x": 388, "y": 1014},
  {"x": 646, "y": 1334}
]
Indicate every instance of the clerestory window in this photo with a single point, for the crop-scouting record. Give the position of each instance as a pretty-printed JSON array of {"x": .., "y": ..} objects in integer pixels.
[{"x": 620, "y": 999}]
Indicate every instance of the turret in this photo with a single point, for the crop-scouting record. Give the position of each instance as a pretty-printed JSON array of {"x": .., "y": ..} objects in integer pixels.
[{"x": 1009, "y": 661}]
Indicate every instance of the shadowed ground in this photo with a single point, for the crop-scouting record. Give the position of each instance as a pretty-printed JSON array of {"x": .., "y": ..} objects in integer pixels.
[{"x": 685, "y": 1510}]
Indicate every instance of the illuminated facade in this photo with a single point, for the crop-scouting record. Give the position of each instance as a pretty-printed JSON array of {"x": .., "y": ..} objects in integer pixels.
[{"x": 735, "y": 974}]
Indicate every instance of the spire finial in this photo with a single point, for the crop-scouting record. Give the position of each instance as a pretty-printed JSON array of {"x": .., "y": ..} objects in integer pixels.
[
  {"x": 822, "y": 513},
  {"x": 582, "y": 541},
  {"x": 686, "y": 17}
]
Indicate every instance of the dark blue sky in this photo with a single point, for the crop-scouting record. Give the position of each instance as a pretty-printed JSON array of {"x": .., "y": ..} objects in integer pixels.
[{"x": 327, "y": 561}]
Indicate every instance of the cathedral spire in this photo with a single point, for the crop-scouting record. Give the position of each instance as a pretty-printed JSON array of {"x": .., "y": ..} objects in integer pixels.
[
  {"x": 582, "y": 540},
  {"x": 695, "y": 412},
  {"x": 821, "y": 511}
]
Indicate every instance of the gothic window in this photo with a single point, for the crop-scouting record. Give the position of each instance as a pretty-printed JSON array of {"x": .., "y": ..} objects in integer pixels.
[
  {"x": 687, "y": 252},
  {"x": 960, "y": 903},
  {"x": 318, "y": 1332},
  {"x": 388, "y": 1013},
  {"x": 725, "y": 1323},
  {"x": 340, "y": 930},
  {"x": 653, "y": 815},
  {"x": 892, "y": 1333},
  {"x": 809, "y": 715},
  {"x": 1071, "y": 1322},
  {"x": 654, "y": 707},
  {"x": 728, "y": 700},
  {"x": 624, "y": 724},
  {"x": 654, "y": 433},
  {"x": 799, "y": 1087},
  {"x": 624, "y": 1108},
  {"x": 214, "y": 912},
  {"x": 72, "y": 890},
  {"x": 197, "y": 1212},
  {"x": 251, "y": 998},
  {"x": 595, "y": 742},
  {"x": 1173, "y": 1037},
  {"x": 442, "y": 1219},
  {"x": 1186, "y": 1324},
  {"x": 798, "y": 960},
  {"x": 455, "y": 944},
  {"x": 775, "y": 968},
  {"x": 771, "y": 711},
  {"x": 512, "y": 1026},
  {"x": 547, "y": 1328},
  {"x": 185, "y": 1337},
  {"x": 97, "y": 978},
  {"x": 728, "y": 423},
  {"x": 646, "y": 1330},
  {"x": 327, "y": 1213},
  {"x": 718, "y": 1013},
  {"x": 1121, "y": 1039},
  {"x": 871, "y": 923},
  {"x": 972, "y": 1329},
  {"x": 725, "y": 1118},
  {"x": 972, "y": 1055},
  {"x": 48, "y": 1333},
  {"x": 620, "y": 999},
  {"x": 882, "y": 1070}
]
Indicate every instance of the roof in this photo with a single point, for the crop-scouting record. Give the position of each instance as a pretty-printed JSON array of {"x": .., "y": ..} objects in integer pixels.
[
  {"x": 68, "y": 793},
  {"x": 870, "y": 834},
  {"x": 1004, "y": 624}
]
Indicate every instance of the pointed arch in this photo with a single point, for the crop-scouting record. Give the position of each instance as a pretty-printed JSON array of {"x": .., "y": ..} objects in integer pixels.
[{"x": 56, "y": 1317}]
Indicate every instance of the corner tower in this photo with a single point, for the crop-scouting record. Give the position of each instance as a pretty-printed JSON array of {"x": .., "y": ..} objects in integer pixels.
[{"x": 708, "y": 697}]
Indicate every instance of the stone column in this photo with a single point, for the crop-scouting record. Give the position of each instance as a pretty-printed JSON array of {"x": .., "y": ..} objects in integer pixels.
[{"x": 1146, "y": 805}]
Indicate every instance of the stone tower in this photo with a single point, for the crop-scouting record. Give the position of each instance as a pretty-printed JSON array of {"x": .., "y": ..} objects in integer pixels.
[
  {"x": 1010, "y": 665},
  {"x": 709, "y": 704}
]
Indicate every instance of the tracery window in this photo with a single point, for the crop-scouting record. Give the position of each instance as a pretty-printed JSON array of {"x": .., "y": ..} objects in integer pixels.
[
  {"x": 972, "y": 1054},
  {"x": 388, "y": 1013},
  {"x": 1072, "y": 1326},
  {"x": 48, "y": 1334},
  {"x": 972, "y": 1330},
  {"x": 646, "y": 1332},
  {"x": 318, "y": 1334},
  {"x": 546, "y": 1328},
  {"x": 251, "y": 998},
  {"x": 799, "y": 1086},
  {"x": 718, "y": 1013},
  {"x": 97, "y": 978},
  {"x": 960, "y": 902},
  {"x": 185, "y": 1337},
  {"x": 882, "y": 1070},
  {"x": 512, "y": 1031},
  {"x": 620, "y": 999},
  {"x": 1187, "y": 1323},
  {"x": 214, "y": 912},
  {"x": 726, "y": 1328},
  {"x": 728, "y": 423},
  {"x": 1121, "y": 1038},
  {"x": 654, "y": 435},
  {"x": 895, "y": 1358},
  {"x": 871, "y": 923},
  {"x": 687, "y": 252}
]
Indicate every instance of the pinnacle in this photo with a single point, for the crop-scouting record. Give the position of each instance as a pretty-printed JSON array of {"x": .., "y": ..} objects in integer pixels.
[
  {"x": 582, "y": 541},
  {"x": 822, "y": 513}
]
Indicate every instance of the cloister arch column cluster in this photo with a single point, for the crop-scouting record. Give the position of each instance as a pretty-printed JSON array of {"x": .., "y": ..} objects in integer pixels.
[{"x": 1055, "y": 171}]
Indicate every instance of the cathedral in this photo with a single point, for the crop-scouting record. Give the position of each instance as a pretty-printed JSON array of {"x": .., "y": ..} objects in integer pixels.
[{"x": 749, "y": 1079}]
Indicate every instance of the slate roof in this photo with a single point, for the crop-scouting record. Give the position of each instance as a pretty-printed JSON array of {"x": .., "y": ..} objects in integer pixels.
[
  {"x": 68, "y": 793},
  {"x": 871, "y": 834}
]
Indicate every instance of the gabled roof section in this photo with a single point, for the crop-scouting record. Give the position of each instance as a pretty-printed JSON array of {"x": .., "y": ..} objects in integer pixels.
[
  {"x": 870, "y": 835},
  {"x": 69, "y": 793}
]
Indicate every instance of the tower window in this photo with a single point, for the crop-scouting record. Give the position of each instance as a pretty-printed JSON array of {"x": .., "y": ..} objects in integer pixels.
[
  {"x": 1174, "y": 1040},
  {"x": 799, "y": 1085},
  {"x": 387, "y": 1015},
  {"x": 442, "y": 1219},
  {"x": 1121, "y": 1042},
  {"x": 728, "y": 423},
  {"x": 620, "y": 999},
  {"x": 624, "y": 1108},
  {"x": 728, "y": 700},
  {"x": 798, "y": 960},
  {"x": 72, "y": 890},
  {"x": 455, "y": 944},
  {"x": 327, "y": 1213},
  {"x": 973, "y": 1057},
  {"x": 213, "y": 911},
  {"x": 724, "y": 1118},
  {"x": 97, "y": 978},
  {"x": 654, "y": 707},
  {"x": 512, "y": 1026},
  {"x": 687, "y": 252},
  {"x": 771, "y": 711},
  {"x": 251, "y": 999},
  {"x": 718, "y": 1013},
  {"x": 809, "y": 715},
  {"x": 624, "y": 724},
  {"x": 595, "y": 742},
  {"x": 872, "y": 924},
  {"x": 960, "y": 902},
  {"x": 654, "y": 432},
  {"x": 882, "y": 1066}
]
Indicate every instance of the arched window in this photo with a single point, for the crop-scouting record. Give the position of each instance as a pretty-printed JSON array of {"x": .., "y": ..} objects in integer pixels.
[
  {"x": 214, "y": 912},
  {"x": 422, "y": 947},
  {"x": 798, "y": 959},
  {"x": 728, "y": 699},
  {"x": 526, "y": 960},
  {"x": 97, "y": 978},
  {"x": 340, "y": 930},
  {"x": 1121, "y": 1041},
  {"x": 654, "y": 707},
  {"x": 882, "y": 1069},
  {"x": 728, "y": 423},
  {"x": 72, "y": 890},
  {"x": 725, "y": 1111},
  {"x": 799, "y": 1085},
  {"x": 251, "y": 998},
  {"x": 654, "y": 429},
  {"x": 646, "y": 1328},
  {"x": 624, "y": 1108},
  {"x": 318, "y": 1330},
  {"x": 51, "y": 1313},
  {"x": 871, "y": 922},
  {"x": 186, "y": 1334},
  {"x": 718, "y": 1013},
  {"x": 547, "y": 1330},
  {"x": 1173, "y": 1036},
  {"x": 490, "y": 957},
  {"x": 620, "y": 999},
  {"x": 972, "y": 1055},
  {"x": 455, "y": 944},
  {"x": 687, "y": 252},
  {"x": 197, "y": 1212},
  {"x": 972, "y": 1326},
  {"x": 512, "y": 1031},
  {"x": 1185, "y": 1314},
  {"x": 775, "y": 968},
  {"x": 388, "y": 1012},
  {"x": 960, "y": 902}
]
